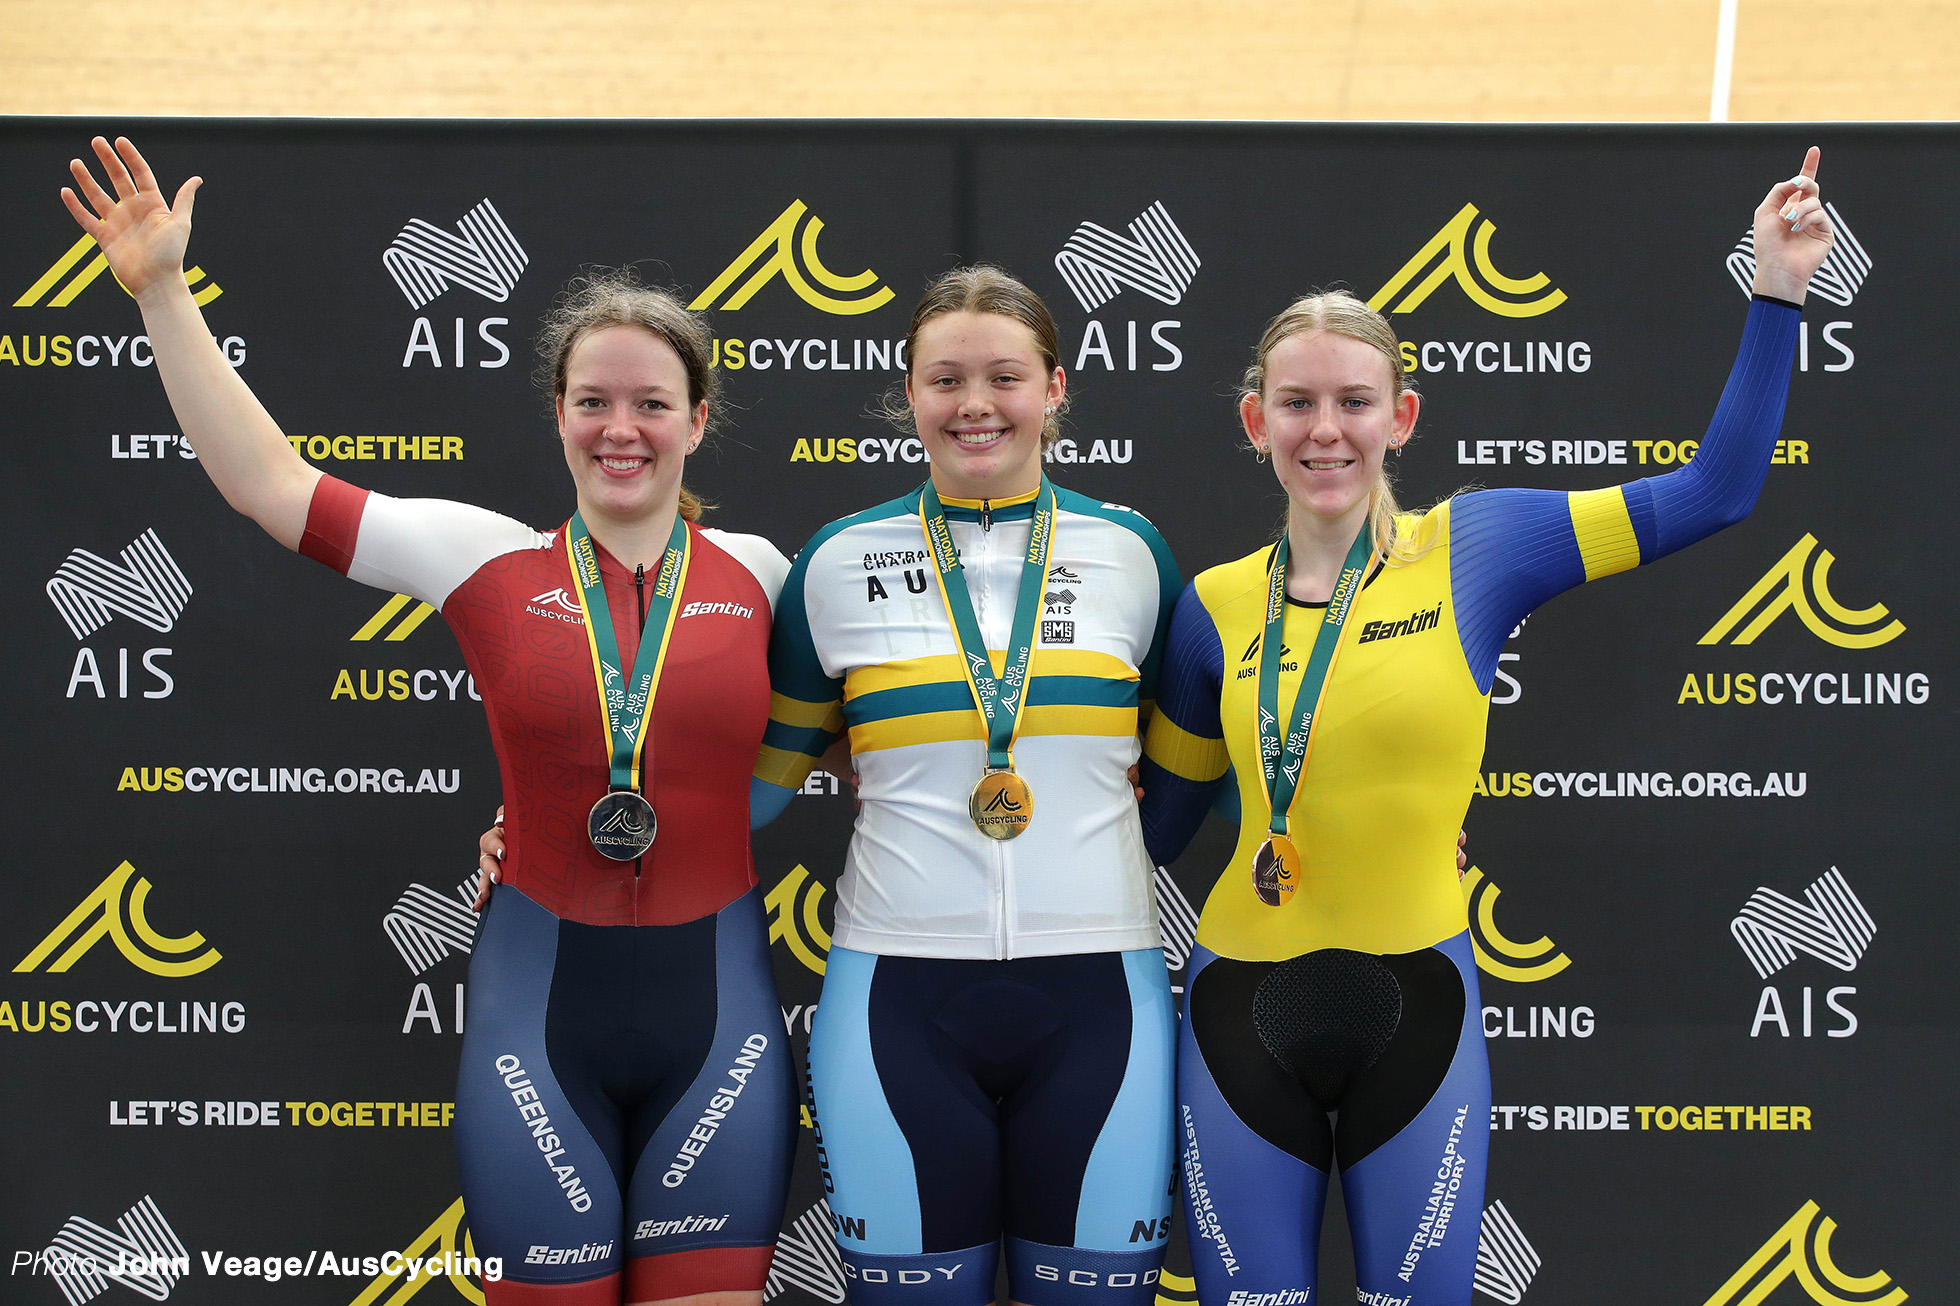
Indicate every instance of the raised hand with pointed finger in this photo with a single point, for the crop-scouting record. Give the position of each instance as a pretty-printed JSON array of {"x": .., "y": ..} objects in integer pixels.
[{"x": 1793, "y": 234}]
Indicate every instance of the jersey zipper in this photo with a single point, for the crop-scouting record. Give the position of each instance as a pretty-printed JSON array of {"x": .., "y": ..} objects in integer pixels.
[
  {"x": 640, "y": 602},
  {"x": 984, "y": 593}
]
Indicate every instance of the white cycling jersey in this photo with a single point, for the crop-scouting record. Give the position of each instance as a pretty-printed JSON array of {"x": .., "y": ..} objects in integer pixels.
[{"x": 863, "y": 642}]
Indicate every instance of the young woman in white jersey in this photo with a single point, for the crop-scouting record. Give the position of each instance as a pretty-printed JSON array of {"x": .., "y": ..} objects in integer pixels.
[{"x": 991, "y": 1061}]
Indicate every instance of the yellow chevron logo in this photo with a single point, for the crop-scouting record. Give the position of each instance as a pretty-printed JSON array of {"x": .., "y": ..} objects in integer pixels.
[
  {"x": 1789, "y": 585},
  {"x": 793, "y": 918},
  {"x": 1462, "y": 250},
  {"x": 1497, "y": 953},
  {"x": 116, "y": 908},
  {"x": 1801, "y": 1249},
  {"x": 418, "y": 614},
  {"x": 95, "y": 267},
  {"x": 778, "y": 251},
  {"x": 437, "y": 1243}
]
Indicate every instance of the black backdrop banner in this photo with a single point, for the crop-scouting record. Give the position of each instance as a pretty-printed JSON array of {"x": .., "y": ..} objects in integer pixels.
[{"x": 244, "y": 793}]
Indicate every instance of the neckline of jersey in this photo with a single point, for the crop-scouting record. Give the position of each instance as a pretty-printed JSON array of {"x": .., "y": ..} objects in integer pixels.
[
  {"x": 1014, "y": 507},
  {"x": 1380, "y": 566}
]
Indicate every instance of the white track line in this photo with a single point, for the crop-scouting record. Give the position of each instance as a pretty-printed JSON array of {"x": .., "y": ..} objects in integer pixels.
[{"x": 1718, "y": 99}]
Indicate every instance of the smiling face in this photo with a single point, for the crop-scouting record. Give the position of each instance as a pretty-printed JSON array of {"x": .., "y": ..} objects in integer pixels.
[
  {"x": 1328, "y": 414},
  {"x": 626, "y": 423},
  {"x": 980, "y": 392}
]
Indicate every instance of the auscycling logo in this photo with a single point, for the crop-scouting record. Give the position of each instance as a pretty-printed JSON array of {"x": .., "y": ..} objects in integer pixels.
[
  {"x": 1790, "y": 585},
  {"x": 792, "y": 906},
  {"x": 1460, "y": 250},
  {"x": 116, "y": 910},
  {"x": 787, "y": 248},
  {"x": 1801, "y": 1250},
  {"x": 56, "y": 288},
  {"x": 1497, "y": 953}
]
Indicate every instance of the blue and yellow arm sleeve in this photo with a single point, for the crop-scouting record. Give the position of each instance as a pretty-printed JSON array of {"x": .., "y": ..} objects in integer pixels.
[
  {"x": 1184, "y": 759},
  {"x": 1510, "y": 550},
  {"x": 805, "y": 705}
]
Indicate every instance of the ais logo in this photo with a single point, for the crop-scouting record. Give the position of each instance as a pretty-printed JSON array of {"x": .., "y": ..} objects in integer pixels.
[
  {"x": 482, "y": 256},
  {"x": 1498, "y": 954},
  {"x": 793, "y": 918},
  {"x": 142, "y": 1253},
  {"x": 148, "y": 587},
  {"x": 780, "y": 251},
  {"x": 1462, "y": 250},
  {"x": 116, "y": 910},
  {"x": 65, "y": 288},
  {"x": 1837, "y": 281},
  {"x": 1154, "y": 259},
  {"x": 1799, "y": 576},
  {"x": 1801, "y": 1250},
  {"x": 1830, "y": 924},
  {"x": 807, "y": 1258},
  {"x": 1506, "y": 1260}
]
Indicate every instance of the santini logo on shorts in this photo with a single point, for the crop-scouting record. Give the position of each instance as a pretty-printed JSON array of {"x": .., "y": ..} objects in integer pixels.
[
  {"x": 1284, "y": 1297},
  {"x": 686, "y": 1224},
  {"x": 539, "y": 1254}
]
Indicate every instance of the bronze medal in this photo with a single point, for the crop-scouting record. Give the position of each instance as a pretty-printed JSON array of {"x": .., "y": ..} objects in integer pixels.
[
  {"x": 1276, "y": 870},
  {"x": 1001, "y": 805}
]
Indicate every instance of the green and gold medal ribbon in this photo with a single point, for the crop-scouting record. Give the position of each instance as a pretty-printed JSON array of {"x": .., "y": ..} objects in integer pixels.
[
  {"x": 1001, "y": 699},
  {"x": 627, "y": 703},
  {"x": 1284, "y": 758}
]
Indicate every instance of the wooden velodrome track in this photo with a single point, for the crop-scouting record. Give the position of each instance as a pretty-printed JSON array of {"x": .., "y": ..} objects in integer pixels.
[{"x": 1451, "y": 60}]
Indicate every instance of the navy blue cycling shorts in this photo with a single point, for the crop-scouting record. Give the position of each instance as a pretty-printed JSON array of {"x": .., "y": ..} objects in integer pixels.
[
  {"x": 958, "y": 1102},
  {"x": 625, "y": 1108},
  {"x": 1393, "y": 1047}
]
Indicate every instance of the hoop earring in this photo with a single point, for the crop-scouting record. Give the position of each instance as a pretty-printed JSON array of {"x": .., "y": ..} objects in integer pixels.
[{"x": 1258, "y": 454}]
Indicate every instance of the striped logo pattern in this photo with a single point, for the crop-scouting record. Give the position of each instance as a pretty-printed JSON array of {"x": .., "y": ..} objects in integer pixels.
[
  {"x": 1154, "y": 258},
  {"x": 425, "y": 927},
  {"x": 806, "y": 1257},
  {"x": 148, "y": 587},
  {"x": 1506, "y": 1261},
  {"x": 1838, "y": 280},
  {"x": 1831, "y": 925},
  {"x": 1176, "y": 921},
  {"x": 84, "y": 1258},
  {"x": 425, "y": 260}
]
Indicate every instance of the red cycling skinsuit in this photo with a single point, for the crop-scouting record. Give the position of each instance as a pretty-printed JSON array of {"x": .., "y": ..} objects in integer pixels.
[{"x": 619, "y": 1011}]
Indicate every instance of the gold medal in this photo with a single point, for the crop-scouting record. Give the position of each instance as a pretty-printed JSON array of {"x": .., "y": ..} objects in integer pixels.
[
  {"x": 1276, "y": 870},
  {"x": 1002, "y": 804}
]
